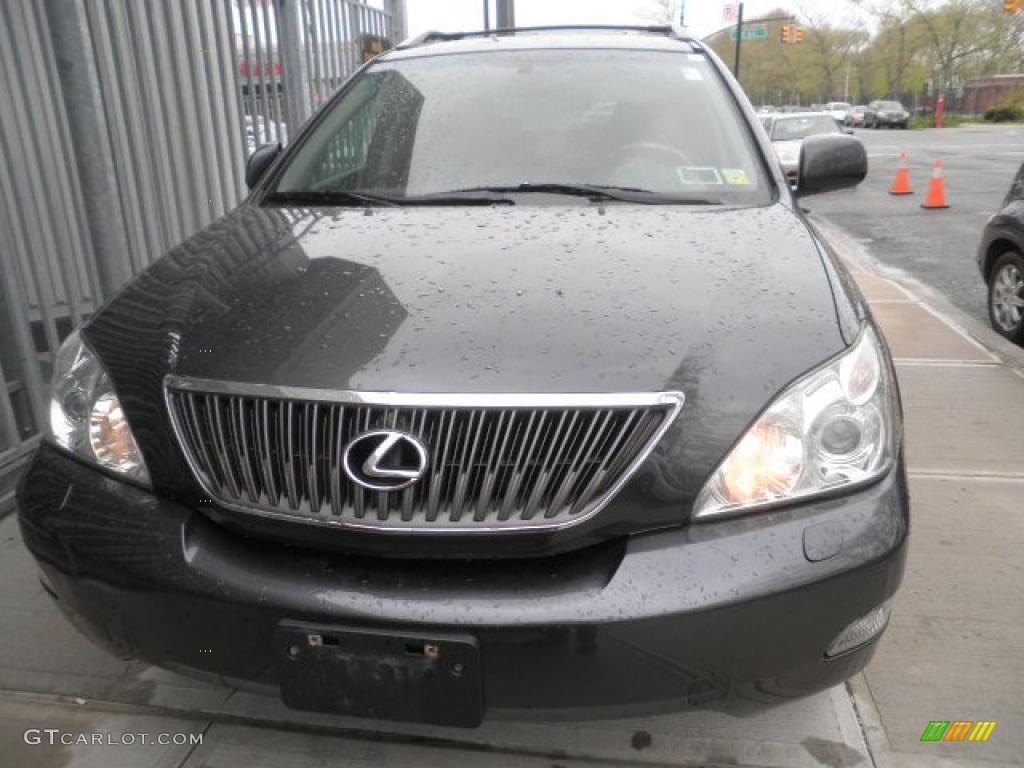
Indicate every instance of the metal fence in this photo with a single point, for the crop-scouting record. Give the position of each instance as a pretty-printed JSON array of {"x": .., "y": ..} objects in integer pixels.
[{"x": 124, "y": 127}]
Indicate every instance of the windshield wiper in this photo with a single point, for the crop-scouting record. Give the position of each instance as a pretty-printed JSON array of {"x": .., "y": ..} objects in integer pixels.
[
  {"x": 344, "y": 197},
  {"x": 594, "y": 192},
  {"x": 328, "y": 197}
]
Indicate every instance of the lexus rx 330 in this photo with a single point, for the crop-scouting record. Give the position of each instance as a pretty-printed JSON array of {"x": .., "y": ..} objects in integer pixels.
[{"x": 519, "y": 384}]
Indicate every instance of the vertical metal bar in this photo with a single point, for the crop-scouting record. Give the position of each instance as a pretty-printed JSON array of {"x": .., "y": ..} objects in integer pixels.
[
  {"x": 221, "y": 105},
  {"x": 294, "y": 62},
  {"x": 245, "y": 31},
  {"x": 27, "y": 201},
  {"x": 212, "y": 188},
  {"x": 287, "y": 438},
  {"x": 261, "y": 122},
  {"x": 527, "y": 440},
  {"x": 144, "y": 28},
  {"x": 506, "y": 422},
  {"x": 311, "y": 412},
  {"x": 220, "y": 444},
  {"x": 183, "y": 114},
  {"x": 351, "y": 36},
  {"x": 607, "y": 454},
  {"x": 245, "y": 455},
  {"x": 335, "y": 33},
  {"x": 337, "y": 491},
  {"x": 55, "y": 188},
  {"x": 587, "y": 445},
  {"x": 8, "y": 424},
  {"x": 540, "y": 480},
  {"x": 318, "y": 26},
  {"x": 209, "y": 460},
  {"x": 278, "y": 71},
  {"x": 474, "y": 430}
]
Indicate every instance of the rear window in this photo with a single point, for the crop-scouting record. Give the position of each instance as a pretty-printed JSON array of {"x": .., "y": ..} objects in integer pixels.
[
  {"x": 793, "y": 128},
  {"x": 649, "y": 120}
]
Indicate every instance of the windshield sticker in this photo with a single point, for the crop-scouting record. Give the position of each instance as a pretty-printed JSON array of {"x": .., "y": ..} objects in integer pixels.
[
  {"x": 696, "y": 175},
  {"x": 692, "y": 73},
  {"x": 735, "y": 177}
]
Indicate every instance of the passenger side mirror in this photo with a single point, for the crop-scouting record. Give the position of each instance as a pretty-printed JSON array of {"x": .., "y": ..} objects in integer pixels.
[
  {"x": 847, "y": 130},
  {"x": 259, "y": 161},
  {"x": 831, "y": 161}
]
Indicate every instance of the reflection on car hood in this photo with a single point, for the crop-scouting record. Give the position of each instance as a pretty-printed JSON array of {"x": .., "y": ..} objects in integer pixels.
[{"x": 726, "y": 305}]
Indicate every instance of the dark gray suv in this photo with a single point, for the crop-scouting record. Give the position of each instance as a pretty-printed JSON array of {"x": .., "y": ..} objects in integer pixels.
[{"x": 519, "y": 383}]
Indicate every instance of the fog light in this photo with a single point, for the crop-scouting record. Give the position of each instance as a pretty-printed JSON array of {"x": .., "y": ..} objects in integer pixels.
[{"x": 860, "y": 631}]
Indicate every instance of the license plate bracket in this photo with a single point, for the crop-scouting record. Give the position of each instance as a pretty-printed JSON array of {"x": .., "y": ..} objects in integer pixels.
[{"x": 412, "y": 677}]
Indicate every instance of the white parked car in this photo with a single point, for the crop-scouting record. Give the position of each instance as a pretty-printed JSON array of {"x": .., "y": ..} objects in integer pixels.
[
  {"x": 259, "y": 131},
  {"x": 838, "y": 109},
  {"x": 788, "y": 131}
]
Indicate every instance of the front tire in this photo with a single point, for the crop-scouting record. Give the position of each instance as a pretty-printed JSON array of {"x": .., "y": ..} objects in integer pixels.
[{"x": 1006, "y": 296}]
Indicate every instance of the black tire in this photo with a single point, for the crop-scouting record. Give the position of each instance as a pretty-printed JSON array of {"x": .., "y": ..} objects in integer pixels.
[{"x": 1007, "y": 271}]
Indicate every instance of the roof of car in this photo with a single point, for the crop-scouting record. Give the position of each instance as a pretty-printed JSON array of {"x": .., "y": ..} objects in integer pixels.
[{"x": 655, "y": 38}]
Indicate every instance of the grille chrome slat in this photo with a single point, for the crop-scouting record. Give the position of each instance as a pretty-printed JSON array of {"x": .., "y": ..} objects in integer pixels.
[{"x": 494, "y": 462}]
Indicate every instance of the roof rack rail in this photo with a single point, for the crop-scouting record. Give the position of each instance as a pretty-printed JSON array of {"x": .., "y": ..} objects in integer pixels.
[{"x": 434, "y": 36}]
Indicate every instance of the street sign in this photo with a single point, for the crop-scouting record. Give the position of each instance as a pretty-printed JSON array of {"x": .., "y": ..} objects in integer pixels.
[
  {"x": 751, "y": 33},
  {"x": 730, "y": 11}
]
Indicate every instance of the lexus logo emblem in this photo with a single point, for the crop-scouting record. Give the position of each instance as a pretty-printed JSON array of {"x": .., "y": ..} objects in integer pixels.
[{"x": 384, "y": 460}]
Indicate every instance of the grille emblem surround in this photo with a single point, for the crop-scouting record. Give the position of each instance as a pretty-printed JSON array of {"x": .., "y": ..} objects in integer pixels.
[{"x": 384, "y": 460}]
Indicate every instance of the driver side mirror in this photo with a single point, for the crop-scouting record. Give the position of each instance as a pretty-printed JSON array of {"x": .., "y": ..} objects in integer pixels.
[
  {"x": 831, "y": 161},
  {"x": 259, "y": 161}
]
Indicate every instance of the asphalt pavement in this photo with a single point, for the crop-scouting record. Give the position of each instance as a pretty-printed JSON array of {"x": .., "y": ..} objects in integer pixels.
[{"x": 935, "y": 247}]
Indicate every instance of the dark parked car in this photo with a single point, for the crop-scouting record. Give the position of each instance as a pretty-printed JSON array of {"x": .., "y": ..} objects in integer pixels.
[
  {"x": 1001, "y": 260},
  {"x": 466, "y": 410},
  {"x": 886, "y": 114}
]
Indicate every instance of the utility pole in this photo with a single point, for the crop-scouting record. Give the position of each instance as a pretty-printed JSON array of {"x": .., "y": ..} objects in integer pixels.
[
  {"x": 846, "y": 88},
  {"x": 506, "y": 13},
  {"x": 487, "y": 14},
  {"x": 739, "y": 41}
]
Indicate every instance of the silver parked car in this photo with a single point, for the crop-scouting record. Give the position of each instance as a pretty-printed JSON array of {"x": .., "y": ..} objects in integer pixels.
[{"x": 788, "y": 131}]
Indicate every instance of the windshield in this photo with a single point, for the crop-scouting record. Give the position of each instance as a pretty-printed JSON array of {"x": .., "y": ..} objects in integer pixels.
[
  {"x": 655, "y": 122},
  {"x": 894, "y": 106},
  {"x": 794, "y": 128},
  {"x": 840, "y": 106}
]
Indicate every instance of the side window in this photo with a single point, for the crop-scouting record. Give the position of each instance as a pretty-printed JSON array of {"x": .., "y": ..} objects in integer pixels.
[{"x": 346, "y": 153}]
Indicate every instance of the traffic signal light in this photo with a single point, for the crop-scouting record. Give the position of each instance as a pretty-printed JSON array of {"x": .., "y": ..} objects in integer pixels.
[
  {"x": 787, "y": 31},
  {"x": 1013, "y": 6},
  {"x": 798, "y": 33}
]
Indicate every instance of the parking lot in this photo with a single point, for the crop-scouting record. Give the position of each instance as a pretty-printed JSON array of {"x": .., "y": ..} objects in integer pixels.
[
  {"x": 933, "y": 249},
  {"x": 954, "y": 647}
]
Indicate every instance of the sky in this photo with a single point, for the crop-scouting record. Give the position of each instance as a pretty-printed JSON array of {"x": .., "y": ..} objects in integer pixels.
[{"x": 702, "y": 16}]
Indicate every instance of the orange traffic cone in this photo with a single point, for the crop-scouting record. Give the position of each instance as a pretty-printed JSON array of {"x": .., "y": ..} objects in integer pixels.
[
  {"x": 901, "y": 184},
  {"x": 937, "y": 190}
]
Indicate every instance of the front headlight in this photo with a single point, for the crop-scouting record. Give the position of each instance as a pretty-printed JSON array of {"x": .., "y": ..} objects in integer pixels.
[
  {"x": 837, "y": 426},
  {"x": 86, "y": 417}
]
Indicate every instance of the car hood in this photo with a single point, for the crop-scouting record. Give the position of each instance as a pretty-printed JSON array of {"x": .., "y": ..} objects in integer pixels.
[{"x": 725, "y": 305}]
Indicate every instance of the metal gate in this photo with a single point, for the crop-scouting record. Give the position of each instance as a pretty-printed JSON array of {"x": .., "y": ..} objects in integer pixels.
[{"x": 124, "y": 127}]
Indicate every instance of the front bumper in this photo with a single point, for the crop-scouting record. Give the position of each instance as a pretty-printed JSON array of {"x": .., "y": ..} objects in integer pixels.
[
  {"x": 727, "y": 615},
  {"x": 891, "y": 120}
]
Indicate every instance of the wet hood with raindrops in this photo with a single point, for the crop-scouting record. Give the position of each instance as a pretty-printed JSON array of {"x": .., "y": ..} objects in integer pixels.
[{"x": 726, "y": 305}]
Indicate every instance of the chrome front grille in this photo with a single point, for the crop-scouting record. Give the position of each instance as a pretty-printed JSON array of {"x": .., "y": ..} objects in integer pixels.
[{"x": 494, "y": 462}]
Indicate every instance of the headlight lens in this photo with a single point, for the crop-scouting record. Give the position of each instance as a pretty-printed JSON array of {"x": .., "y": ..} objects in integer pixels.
[
  {"x": 86, "y": 417},
  {"x": 837, "y": 426}
]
